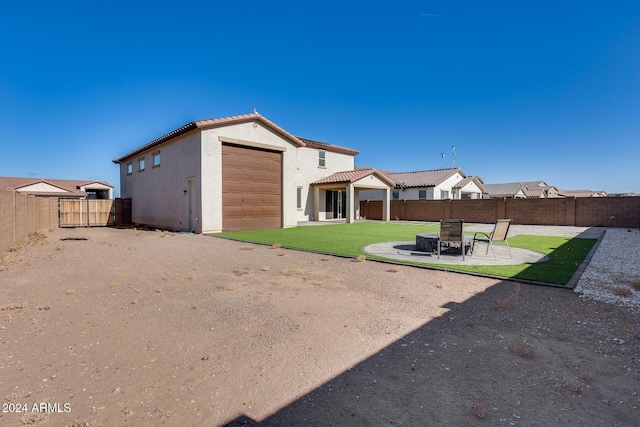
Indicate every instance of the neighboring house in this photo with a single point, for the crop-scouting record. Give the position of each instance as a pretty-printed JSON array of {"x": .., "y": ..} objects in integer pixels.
[
  {"x": 436, "y": 184},
  {"x": 65, "y": 188},
  {"x": 239, "y": 173},
  {"x": 623, "y": 194},
  {"x": 518, "y": 190},
  {"x": 581, "y": 193}
]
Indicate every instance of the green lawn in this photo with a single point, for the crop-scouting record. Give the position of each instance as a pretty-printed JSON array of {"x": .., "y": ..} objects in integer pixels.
[{"x": 565, "y": 254}]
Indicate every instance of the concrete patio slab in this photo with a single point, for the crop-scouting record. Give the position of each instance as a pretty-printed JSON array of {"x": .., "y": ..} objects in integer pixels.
[{"x": 405, "y": 251}]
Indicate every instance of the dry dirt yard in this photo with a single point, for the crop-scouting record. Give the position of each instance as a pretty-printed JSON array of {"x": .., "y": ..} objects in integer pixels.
[{"x": 108, "y": 327}]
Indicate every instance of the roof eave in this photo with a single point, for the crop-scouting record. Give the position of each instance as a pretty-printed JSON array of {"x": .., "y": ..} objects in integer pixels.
[{"x": 207, "y": 124}]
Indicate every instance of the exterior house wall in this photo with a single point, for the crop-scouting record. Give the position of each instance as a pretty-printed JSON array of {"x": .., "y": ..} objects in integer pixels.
[
  {"x": 471, "y": 189},
  {"x": 308, "y": 171},
  {"x": 98, "y": 186},
  {"x": 160, "y": 192},
  {"x": 447, "y": 185},
  {"x": 255, "y": 133}
]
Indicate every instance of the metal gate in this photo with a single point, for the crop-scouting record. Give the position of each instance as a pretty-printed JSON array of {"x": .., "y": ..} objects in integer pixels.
[{"x": 86, "y": 213}]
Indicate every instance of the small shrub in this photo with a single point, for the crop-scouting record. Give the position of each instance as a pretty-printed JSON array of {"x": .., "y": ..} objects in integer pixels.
[
  {"x": 559, "y": 336},
  {"x": 575, "y": 386},
  {"x": 501, "y": 303},
  {"x": 521, "y": 349},
  {"x": 241, "y": 271},
  {"x": 576, "y": 309},
  {"x": 395, "y": 269},
  {"x": 622, "y": 292},
  {"x": 479, "y": 412},
  {"x": 276, "y": 246},
  {"x": 291, "y": 272},
  {"x": 361, "y": 258}
]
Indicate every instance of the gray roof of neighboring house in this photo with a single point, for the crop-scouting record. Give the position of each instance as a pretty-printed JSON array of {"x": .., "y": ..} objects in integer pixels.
[
  {"x": 582, "y": 193},
  {"x": 510, "y": 188},
  {"x": 353, "y": 176},
  {"x": 201, "y": 124},
  {"x": 428, "y": 178},
  {"x": 68, "y": 187},
  {"x": 534, "y": 192}
]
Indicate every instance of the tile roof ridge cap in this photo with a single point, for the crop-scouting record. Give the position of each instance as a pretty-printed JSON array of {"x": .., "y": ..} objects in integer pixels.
[{"x": 427, "y": 170}]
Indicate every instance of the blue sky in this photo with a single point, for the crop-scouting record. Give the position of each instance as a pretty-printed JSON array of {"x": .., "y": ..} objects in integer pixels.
[{"x": 525, "y": 90}]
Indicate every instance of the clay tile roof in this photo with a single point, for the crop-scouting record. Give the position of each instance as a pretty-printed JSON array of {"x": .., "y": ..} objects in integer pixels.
[
  {"x": 353, "y": 176},
  {"x": 68, "y": 187},
  {"x": 509, "y": 188},
  {"x": 428, "y": 178},
  {"x": 328, "y": 147},
  {"x": 534, "y": 191},
  {"x": 200, "y": 124}
]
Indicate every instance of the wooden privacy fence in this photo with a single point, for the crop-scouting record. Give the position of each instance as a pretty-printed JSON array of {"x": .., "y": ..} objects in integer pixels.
[
  {"x": 582, "y": 212},
  {"x": 86, "y": 213}
]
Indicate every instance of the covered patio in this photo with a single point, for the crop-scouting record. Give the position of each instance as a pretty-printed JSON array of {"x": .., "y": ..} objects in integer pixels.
[{"x": 337, "y": 196}]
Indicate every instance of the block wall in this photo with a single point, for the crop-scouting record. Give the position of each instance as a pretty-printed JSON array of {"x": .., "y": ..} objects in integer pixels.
[{"x": 583, "y": 212}]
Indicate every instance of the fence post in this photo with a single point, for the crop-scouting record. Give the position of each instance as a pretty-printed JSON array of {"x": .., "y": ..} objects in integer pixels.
[
  {"x": 570, "y": 211},
  {"x": 13, "y": 217},
  {"x": 501, "y": 208}
]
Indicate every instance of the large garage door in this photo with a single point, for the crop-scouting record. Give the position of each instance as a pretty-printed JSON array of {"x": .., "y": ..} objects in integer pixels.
[{"x": 251, "y": 188}]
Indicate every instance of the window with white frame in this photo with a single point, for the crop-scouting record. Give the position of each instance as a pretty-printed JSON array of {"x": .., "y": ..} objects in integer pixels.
[
  {"x": 395, "y": 195},
  {"x": 322, "y": 159},
  {"x": 156, "y": 159},
  {"x": 129, "y": 168},
  {"x": 444, "y": 194},
  {"x": 422, "y": 194},
  {"x": 140, "y": 164}
]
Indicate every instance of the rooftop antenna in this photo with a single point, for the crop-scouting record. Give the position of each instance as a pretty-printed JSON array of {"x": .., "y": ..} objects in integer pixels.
[
  {"x": 453, "y": 154},
  {"x": 255, "y": 110},
  {"x": 441, "y": 159}
]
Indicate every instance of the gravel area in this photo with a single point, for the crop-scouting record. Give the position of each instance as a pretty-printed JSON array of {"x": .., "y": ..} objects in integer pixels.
[{"x": 613, "y": 274}]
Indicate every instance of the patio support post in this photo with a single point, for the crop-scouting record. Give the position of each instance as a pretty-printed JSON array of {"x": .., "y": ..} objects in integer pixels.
[
  {"x": 386, "y": 204},
  {"x": 316, "y": 203},
  {"x": 350, "y": 207}
]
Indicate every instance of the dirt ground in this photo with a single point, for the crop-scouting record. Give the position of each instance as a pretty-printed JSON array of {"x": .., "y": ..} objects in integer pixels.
[{"x": 107, "y": 327}]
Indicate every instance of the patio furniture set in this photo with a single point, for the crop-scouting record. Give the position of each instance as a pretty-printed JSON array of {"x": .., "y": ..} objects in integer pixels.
[{"x": 451, "y": 239}]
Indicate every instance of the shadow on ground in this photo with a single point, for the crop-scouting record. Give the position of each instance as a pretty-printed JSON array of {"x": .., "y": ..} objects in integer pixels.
[{"x": 495, "y": 359}]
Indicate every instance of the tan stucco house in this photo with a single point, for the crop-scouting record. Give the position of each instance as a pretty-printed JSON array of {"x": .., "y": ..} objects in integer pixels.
[{"x": 242, "y": 172}]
